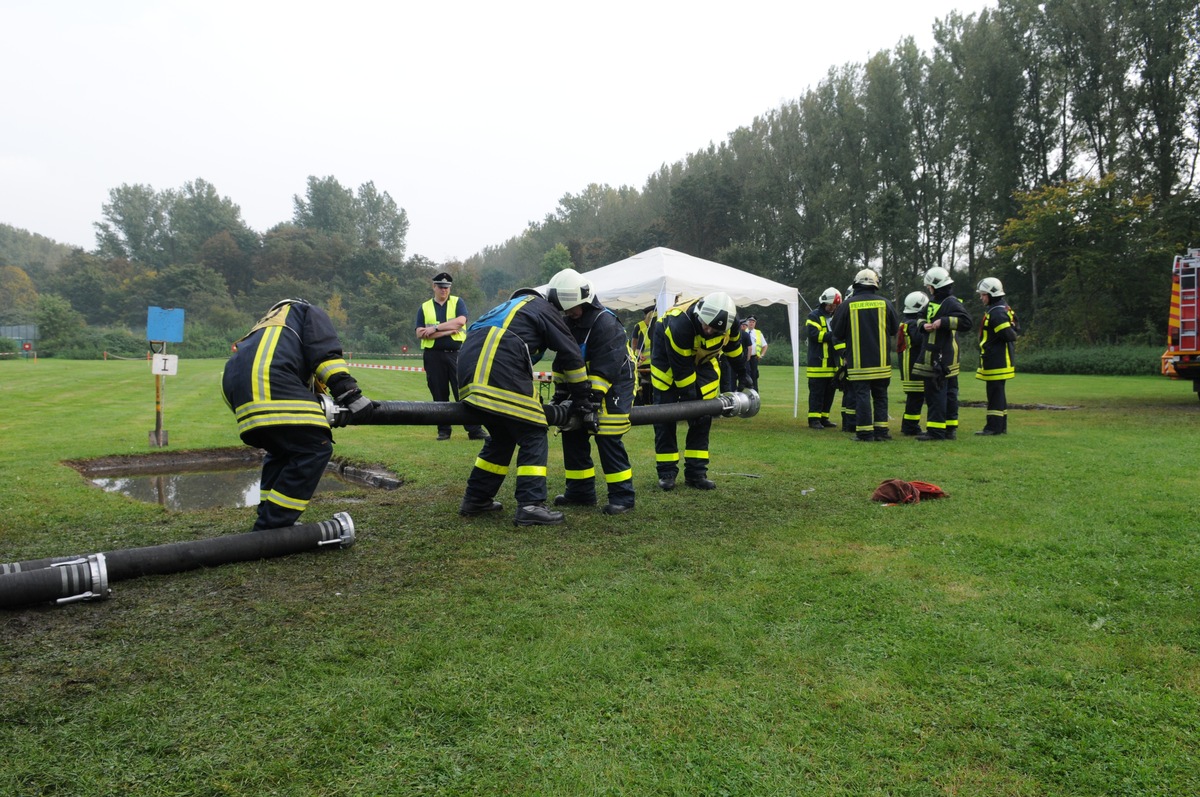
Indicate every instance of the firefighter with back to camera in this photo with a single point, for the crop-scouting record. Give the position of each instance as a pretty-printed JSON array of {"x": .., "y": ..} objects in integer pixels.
[
  {"x": 272, "y": 383},
  {"x": 997, "y": 334},
  {"x": 687, "y": 340},
  {"x": 939, "y": 364},
  {"x": 610, "y": 374},
  {"x": 866, "y": 322},
  {"x": 495, "y": 377},
  {"x": 823, "y": 361}
]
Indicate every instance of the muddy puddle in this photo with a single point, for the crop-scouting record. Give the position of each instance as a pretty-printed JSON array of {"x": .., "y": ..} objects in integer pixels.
[{"x": 211, "y": 479}]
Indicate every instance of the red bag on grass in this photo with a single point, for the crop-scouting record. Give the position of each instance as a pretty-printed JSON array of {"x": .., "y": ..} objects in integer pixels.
[{"x": 898, "y": 491}]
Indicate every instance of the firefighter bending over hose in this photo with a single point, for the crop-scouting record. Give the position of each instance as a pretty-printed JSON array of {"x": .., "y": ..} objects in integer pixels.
[
  {"x": 495, "y": 377},
  {"x": 271, "y": 383},
  {"x": 610, "y": 373},
  {"x": 687, "y": 340}
]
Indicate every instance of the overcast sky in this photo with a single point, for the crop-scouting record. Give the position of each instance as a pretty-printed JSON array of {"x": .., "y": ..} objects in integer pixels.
[{"x": 476, "y": 117}]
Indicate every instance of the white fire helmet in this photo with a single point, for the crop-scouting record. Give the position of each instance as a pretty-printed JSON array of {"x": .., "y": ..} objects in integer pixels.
[
  {"x": 867, "y": 277},
  {"x": 938, "y": 277},
  {"x": 716, "y": 310},
  {"x": 991, "y": 286},
  {"x": 831, "y": 296},
  {"x": 568, "y": 288},
  {"x": 916, "y": 302}
]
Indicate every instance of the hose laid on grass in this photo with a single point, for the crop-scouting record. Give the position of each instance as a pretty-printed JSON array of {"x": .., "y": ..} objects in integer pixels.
[{"x": 67, "y": 579}]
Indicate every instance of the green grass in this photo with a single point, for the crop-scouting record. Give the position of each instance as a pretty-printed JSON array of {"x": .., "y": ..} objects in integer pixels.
[{"x": 1035, "y": 634}]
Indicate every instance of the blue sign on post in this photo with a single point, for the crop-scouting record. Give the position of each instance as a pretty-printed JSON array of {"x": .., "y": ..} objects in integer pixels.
[{"x": 164, "y": 325}]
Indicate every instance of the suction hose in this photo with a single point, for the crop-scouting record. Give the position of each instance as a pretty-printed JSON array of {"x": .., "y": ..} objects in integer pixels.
[
  {"x": 68, "y": 579},
  {"x": 457, "y": 413}
]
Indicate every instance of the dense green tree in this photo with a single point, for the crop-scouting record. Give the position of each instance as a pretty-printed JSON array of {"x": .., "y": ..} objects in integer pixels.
[
  {"x": 197, "y": 214},
  {"x": 553, "y": 262},
  {"x": 59, "y": 325},
  {"x": 329, "y": 207},
  {"x": 381, "y": 222},
  {"x": 36, "y": 254},
  {"x": 135, "y": 226},
  {"x": 1088, "y": 243},
  {"x": 18, "y": 296}
]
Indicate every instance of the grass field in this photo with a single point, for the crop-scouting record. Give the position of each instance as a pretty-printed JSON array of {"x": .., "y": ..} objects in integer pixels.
[{"x": 1037, "y": 633}]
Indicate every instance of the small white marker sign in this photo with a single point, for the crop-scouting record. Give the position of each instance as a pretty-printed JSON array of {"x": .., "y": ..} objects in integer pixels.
[{"x": 166, "y": 364}]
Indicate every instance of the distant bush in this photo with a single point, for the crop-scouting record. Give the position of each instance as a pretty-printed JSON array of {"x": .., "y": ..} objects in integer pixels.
[
  {"x": 1127, "y": 360},
  {"x": 8, "y": 344},
  {"x": 93, "y": 342}
]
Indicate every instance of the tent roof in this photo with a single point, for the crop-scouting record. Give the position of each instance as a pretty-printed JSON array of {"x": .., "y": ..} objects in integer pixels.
[{"x": 637, "y": 282}]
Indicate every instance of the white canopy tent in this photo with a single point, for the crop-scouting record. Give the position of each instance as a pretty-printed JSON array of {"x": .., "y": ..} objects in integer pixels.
[{"x": 660, "y": 276}]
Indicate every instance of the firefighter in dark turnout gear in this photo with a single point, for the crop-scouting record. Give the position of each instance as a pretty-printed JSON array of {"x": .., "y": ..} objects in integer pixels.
[
  {"x": 908, "y": 346},
  {"x": 866, "y": 322},
  {"x": 271, "y": 383},
  {"x": 610, "y": 373},
  {"x": 938, "y": 364},
  {"x": 687, "y": 340},
  {"x": 495, "y": 376},
  {"x": 839, "y": 377},
  {"x": 823, "y": 361},
  {"x": 997, "y": 334}
]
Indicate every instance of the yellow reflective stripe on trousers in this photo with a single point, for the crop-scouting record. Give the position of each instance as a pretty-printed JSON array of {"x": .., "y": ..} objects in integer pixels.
[
  {"x": 287, "y": 502},
  {"x": 531, "y": 470},
  {"x": 623, "y": 476},
  {"x": 491, "y": 467}
]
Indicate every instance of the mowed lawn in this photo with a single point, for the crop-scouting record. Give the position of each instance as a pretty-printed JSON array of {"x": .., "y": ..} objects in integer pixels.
[{"x": 1036, "y": 633}]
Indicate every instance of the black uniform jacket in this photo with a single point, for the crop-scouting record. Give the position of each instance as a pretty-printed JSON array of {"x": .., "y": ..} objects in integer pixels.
[
  {"x": 609, "y": 363},
  {"x": 909, "y": 343},
  {"x": 997, "y": 333},
  {"x": 822, "y": 361},
  {"x": 939, "y": 354},
  {"x": 495, "y": 365},
  {"x": 279, "y": 368},
  {"x": 866, "y": 323},
  {"x": 681, "y": 356}
]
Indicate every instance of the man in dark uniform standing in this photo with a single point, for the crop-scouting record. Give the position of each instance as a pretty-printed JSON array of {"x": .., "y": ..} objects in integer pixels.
[
  {"x": 441, "y": 328},
  {"x": 997, "y": 334},
  {"x": 271, "y": 383},
  {"x": 495, "y": 377},
  {"x": 823, "y": 361},
  {"x": 866, "y": 322},
  {"x": 908, "y": 345}
]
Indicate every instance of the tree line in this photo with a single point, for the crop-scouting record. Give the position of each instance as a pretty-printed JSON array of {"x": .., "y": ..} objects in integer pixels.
[{"x": 1053, "y": 144}]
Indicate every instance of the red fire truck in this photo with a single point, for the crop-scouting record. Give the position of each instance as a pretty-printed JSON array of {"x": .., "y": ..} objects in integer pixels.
[{"x": 1181, "y": 360}]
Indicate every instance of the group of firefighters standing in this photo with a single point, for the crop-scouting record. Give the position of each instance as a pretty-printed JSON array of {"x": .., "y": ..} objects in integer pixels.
[
  {"x": 293, "y": 352},
  {"x": 849, "y": 347}
]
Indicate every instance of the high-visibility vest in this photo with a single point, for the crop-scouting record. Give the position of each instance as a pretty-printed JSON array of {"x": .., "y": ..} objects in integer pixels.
[{"x": 431, "y": 319}]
